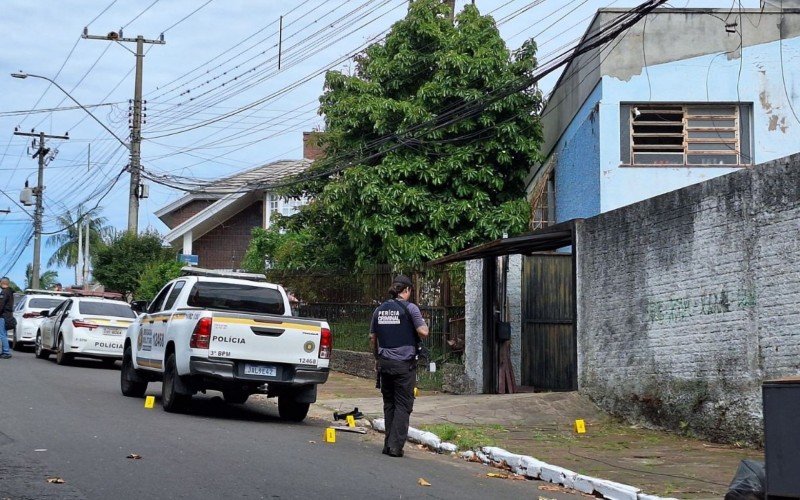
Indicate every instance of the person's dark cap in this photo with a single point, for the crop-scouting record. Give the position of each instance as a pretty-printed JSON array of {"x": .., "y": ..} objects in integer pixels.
[{"x": 403, "y": 280}]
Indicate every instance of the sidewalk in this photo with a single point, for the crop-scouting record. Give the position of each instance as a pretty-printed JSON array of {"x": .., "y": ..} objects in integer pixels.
[{"x": 540, "y": 425}]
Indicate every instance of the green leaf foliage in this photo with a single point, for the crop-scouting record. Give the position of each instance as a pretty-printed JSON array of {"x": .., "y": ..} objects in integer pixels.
[
  {"x": 120, "y": 265},
  {"x": 434, "y": 190},
  {"x": 155, "y": 276},
  {"x": 47, "y": 279}
]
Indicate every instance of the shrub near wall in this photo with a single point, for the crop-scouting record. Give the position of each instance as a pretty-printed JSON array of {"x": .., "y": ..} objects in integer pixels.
[{"x": 687, "y": 302}]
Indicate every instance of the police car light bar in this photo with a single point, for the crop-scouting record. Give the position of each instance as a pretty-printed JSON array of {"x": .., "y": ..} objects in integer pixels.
[
  {"x": 64, "y": 293},
  {"x": 213, "y": 273}
]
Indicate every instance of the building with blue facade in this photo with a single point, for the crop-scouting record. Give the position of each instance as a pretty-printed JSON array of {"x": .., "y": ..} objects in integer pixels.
[{"x": 685, "y": 95}]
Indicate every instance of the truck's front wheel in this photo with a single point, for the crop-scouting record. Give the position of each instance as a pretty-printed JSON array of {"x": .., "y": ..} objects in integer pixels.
[
  {"x": 171, "y": 399},
  {"x": 291, "y": 410},
  {"x": 128, "y": 381}
]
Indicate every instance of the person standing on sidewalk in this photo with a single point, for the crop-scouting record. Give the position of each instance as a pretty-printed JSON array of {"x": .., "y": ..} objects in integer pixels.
[
  {"x": 6, "y": 315},
  {"x": 396, "y": 328}
]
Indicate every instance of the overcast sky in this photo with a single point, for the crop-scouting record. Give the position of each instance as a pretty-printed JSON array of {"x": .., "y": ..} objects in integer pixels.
[{"x": 218, "y": 59}]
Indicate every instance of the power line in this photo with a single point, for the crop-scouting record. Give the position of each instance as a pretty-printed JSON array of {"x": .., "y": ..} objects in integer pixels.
[{"x": 463, "y": 111}]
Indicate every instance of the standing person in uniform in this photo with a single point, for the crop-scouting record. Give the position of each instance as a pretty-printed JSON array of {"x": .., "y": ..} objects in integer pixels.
[
  {"x": 6, "y": 315},
  {"x": 396, "y": 327}
]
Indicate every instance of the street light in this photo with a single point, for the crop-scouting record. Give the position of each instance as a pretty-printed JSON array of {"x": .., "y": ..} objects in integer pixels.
[{"x": 22, "y": 75}]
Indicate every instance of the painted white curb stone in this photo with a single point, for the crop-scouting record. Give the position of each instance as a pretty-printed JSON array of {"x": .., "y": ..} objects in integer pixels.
[
  {"x": 415, "y": 435},
  {"x": 531, "y": 467}
]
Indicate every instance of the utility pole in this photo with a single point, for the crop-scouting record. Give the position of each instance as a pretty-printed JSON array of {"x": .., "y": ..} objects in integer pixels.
[
  {"x": 136, "y": 191},
  {"x": 85, "y": 270},
  {"x": 452, "y": 5},
  {"x": 79, "y": 262},
  {"x": 38, "y": 191}
]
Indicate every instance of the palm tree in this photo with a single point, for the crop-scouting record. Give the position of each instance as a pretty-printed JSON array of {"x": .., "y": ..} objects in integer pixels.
[
  {"x": 66, "y": 241},
  {"x": 47, "y": 279}
]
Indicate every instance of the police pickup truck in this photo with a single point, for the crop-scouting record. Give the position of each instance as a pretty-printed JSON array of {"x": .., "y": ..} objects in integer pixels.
[{"x": 229, "y": 332}]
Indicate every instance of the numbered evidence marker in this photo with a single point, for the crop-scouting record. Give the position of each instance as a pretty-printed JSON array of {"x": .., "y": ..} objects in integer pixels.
[
  {"x": 580, "y": 426},
  {"x": 351, "y": 421},
  {"x": 330, "y": 435},
  {"x": 149, "y": 402}
]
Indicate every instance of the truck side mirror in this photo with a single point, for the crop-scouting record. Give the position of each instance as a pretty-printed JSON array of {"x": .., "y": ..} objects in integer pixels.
[
  {"x": 45, "y": 313},
  {"x": 139, "y": 306}
]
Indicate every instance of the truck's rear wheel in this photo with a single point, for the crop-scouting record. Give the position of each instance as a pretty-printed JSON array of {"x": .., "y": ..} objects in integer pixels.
[
  {"x": 127, "y": 380},
  {"x": 291, "y": 410},
  {"x": 235, "y": 396},
  {"x": 171, "y": 400}
]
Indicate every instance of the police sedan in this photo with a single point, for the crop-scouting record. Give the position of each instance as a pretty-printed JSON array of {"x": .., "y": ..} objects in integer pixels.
[
  {"x": 28, "y": 313},
  {"x": 90, "y": 327}
]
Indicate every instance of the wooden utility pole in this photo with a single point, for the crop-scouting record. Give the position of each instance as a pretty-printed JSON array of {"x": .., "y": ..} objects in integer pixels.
[
  {"x": 136, "y": 190},
  {"x": 38, "y": 191},
  {"x": 452, "y": 5}
]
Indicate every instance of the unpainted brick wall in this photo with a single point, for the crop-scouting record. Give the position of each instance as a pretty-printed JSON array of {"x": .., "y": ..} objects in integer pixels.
[
  {"x": 688, "y": 301},
  {"x": 188, "y": 211},
  {"x": 224, "y": 246}
]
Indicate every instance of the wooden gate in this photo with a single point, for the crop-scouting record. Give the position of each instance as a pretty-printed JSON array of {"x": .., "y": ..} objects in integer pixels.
[{"x": 549, "y": 346}]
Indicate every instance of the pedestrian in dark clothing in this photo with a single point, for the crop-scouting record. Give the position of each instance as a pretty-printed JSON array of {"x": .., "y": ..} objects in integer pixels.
[
  {"x": 7, "y": 315},
  {"x": 396, "y": 328}
]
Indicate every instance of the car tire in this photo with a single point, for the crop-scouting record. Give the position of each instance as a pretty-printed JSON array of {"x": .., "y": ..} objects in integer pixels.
[
  {"x": 171, "y": 400},
  {"x": 17, "y": 344},
  {"x": 130, "y": 387},
  {"x": 235, "y": 396},
  {"x": 291, "y": 410},
  {"x": 62, "y": 358},
  {"x": 39, "y": 350}
]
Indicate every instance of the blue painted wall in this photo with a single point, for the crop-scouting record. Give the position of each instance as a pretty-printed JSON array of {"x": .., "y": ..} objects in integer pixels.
[
  {"x": 710, "y": 78},
  {"x": 589, "y": 177},
  {"x": 577, "y": 171}
]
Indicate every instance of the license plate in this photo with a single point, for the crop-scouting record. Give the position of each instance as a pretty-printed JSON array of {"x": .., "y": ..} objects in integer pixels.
[
  {"x": 263, "y": 370},
  {"x": 112, "y": 331}
]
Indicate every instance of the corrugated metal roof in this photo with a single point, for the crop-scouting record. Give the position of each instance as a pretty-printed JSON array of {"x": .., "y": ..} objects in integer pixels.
[
  {"x": 544, "y": 240},
  {"x": 264, "y": 175}
]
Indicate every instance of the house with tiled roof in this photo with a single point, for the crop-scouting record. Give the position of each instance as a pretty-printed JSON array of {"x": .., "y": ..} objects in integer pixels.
[{"x": 215, "y": 222}]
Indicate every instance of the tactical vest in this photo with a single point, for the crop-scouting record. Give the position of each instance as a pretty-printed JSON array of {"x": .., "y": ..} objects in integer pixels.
[{"x": 395, "y": 328}]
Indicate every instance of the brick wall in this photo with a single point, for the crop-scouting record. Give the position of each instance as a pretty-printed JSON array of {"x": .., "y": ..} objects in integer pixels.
[
  {"x": 188, "y": 211},
  {"x": 224, "y": 246},
  {"x": 688, "y": 301},
  {"x": 311, "y": 148}
]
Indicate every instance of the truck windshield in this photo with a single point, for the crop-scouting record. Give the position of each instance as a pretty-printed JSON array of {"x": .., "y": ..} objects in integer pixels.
[
  {"x": 106, "y": 309},
  {"x": 236, "y": 297}
]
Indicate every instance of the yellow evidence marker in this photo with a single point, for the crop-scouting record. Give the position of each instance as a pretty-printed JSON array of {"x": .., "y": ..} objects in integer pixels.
[
  {"x": 330, "y": 435},
  {"x": 149, "y": 402},
  {"x": 416, "y": 392},
  {"x": 351, "y": 421},
  {"x": 580, "y": 426}
]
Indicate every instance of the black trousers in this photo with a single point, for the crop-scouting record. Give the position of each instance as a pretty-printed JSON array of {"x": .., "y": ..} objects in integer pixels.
[{"x": 397, "y": 387}]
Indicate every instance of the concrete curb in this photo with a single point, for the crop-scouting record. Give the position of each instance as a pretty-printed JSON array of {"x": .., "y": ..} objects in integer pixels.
[
  {"x": 529, "y": 467},
  {"x": 426, "y": 438}
]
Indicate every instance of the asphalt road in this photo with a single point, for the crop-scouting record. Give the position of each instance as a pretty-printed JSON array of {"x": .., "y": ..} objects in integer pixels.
[{"x": 72, "y": 422}]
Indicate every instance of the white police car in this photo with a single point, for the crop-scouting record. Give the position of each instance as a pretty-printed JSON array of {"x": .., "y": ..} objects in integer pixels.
[
  {"x": 90, "y": 327},
  {"x": 28, "y": 313}
]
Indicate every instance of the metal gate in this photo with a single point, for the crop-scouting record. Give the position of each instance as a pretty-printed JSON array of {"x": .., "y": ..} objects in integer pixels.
[{"x": 549, "y": 346}]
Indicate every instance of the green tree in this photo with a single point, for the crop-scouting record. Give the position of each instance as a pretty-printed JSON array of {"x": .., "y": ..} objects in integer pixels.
[
  {"x": 47, "y": 279},
  {"x": 66, "y": 241},
  {"x": 120, "y": 264},
  {"x": 420, "y": 195},
  {"x": 155, "y": 276},
  {"x": 293, "y": 250}
]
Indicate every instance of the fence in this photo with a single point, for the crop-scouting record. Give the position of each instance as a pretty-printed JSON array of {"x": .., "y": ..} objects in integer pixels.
[{"x": 350, "y": 324}]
